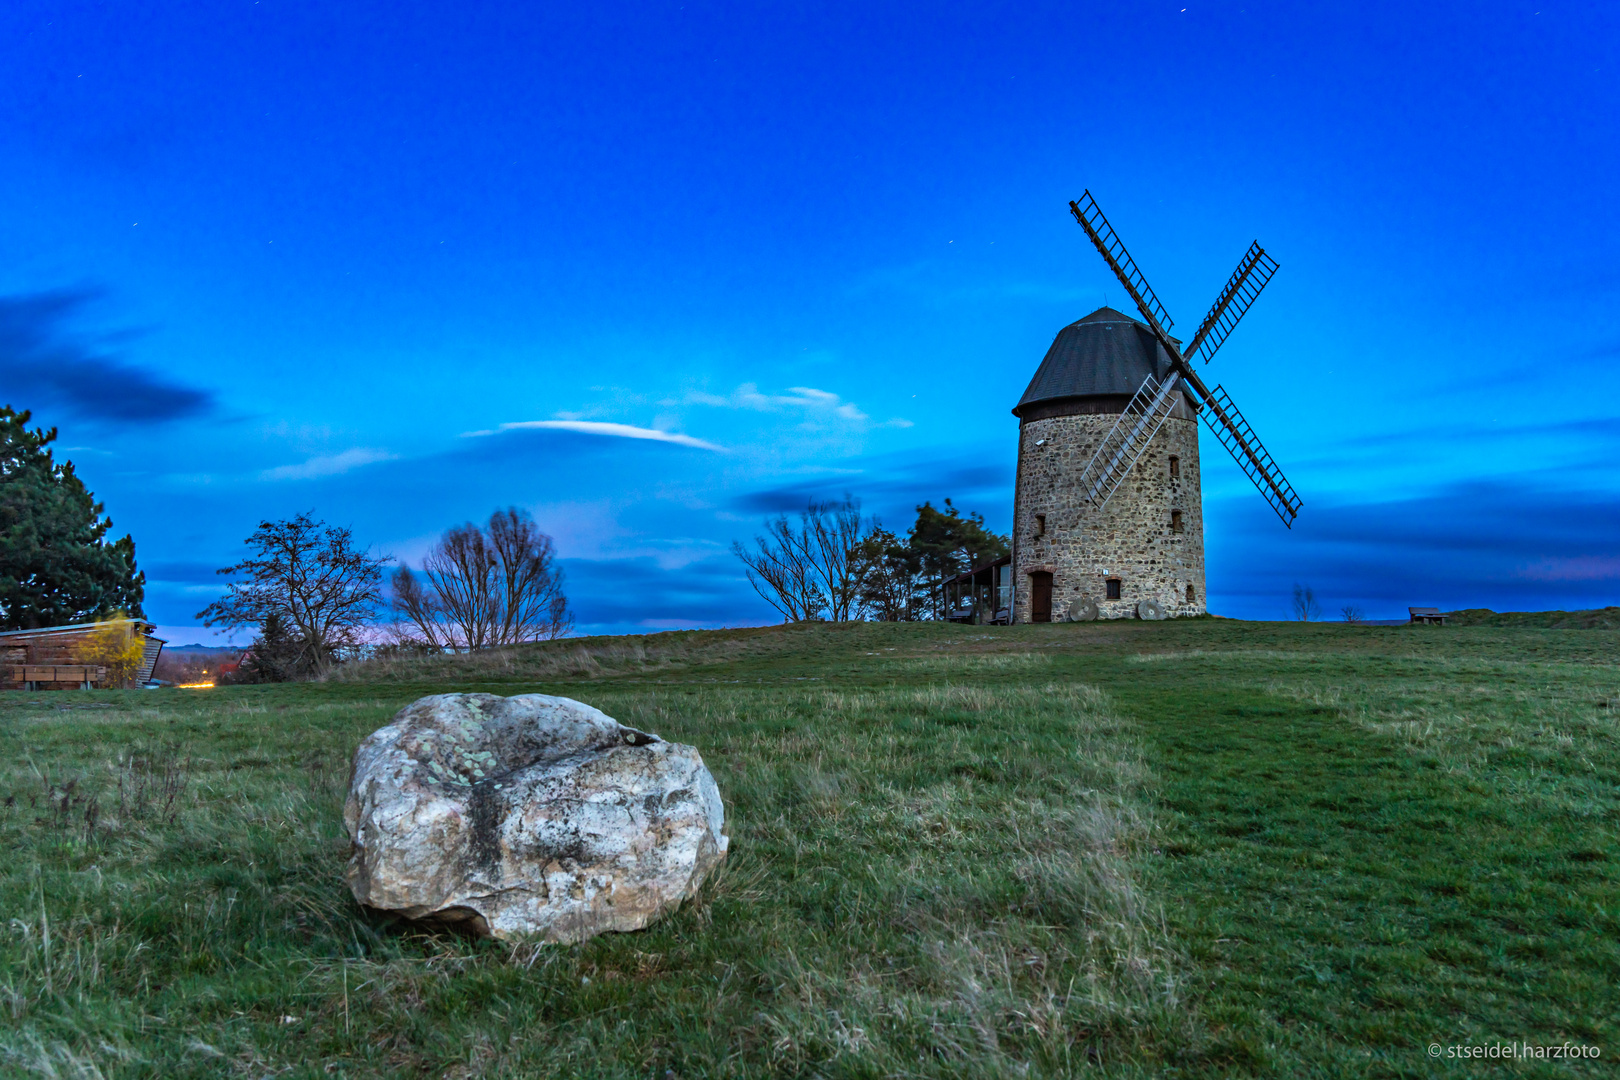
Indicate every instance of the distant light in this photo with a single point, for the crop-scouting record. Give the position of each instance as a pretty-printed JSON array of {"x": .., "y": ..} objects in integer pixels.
[{"x": 194, "y": 686}]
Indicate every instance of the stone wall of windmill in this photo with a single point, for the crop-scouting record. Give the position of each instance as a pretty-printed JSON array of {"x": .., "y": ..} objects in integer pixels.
[{"x": 1149, "y": 537}]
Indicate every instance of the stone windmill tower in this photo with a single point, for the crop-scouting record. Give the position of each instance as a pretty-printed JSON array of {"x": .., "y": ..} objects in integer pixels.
[{"x": 1108, "y": 519}]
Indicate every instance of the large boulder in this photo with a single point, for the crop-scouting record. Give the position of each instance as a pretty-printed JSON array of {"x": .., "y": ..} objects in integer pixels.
[{"x": 528, "y": 815}]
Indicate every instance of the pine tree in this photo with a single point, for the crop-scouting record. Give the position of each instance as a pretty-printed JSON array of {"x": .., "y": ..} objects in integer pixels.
[
  {"x": 945, "y": 543},
  {"x": 56, "y": 565},
  {"x": 276, "y": 655}
]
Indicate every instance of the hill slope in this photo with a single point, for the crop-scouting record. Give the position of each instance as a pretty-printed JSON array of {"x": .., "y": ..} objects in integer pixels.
[{"x": 1598, "y": 619}]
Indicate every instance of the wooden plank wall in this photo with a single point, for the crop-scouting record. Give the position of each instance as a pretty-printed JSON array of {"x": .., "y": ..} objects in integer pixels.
[
  {"x": 152, "y": 646},
  {"x": 52, "y": 647}
]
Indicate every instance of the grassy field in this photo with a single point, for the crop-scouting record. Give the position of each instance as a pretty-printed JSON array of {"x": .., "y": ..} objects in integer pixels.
[
  {"x": 1197, "y": 848},
  {"x": 1597, "y": 619}
]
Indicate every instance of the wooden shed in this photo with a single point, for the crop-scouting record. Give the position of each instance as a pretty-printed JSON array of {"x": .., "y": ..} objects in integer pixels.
[
  {"x": 981, "y": 595},
  {"x": 1431, "y": 615},
  {"x": 57, "y": 657}
]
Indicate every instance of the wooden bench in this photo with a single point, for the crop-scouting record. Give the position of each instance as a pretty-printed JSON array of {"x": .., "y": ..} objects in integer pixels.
[{"x": 43, "y": 676}]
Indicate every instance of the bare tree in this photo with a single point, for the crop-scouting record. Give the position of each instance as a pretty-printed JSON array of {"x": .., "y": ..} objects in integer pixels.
[
  {"x": 311, "y": 578},
  {"x": 1305, "y": 606},
  {"x": 832, "y": 531},
  {"x": 457, "y": 607},
  {"x": 417, "y": 617},
  {"x": 1352, "y": 613},
  {"x": 535, "y": 608},
  {"x": 499, "y": 585},
  {"x": 781, "y": 570},
  {"x": 812, "y": 570}
]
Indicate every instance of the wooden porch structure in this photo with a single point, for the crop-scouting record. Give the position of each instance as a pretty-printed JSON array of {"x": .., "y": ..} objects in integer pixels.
[{"x": 982, "y": 596}]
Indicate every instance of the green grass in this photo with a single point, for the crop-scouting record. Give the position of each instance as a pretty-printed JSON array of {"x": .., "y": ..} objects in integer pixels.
[
  {"x": 1196, "y": 848},
  {"x": 1598, "y": 619}
]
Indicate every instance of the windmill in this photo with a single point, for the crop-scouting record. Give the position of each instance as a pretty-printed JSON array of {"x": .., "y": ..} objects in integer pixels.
[{"x": 1105, "y": 524}]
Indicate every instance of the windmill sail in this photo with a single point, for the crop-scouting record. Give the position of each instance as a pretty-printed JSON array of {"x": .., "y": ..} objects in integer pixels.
[
  {"x": 1090, "y": 216},
  {"x": 1104, "y": 472},
  {"x": 1240, "y": 293},
  {"x": 1223, "y": 418},
  {"x": 1125, "y": 441}
]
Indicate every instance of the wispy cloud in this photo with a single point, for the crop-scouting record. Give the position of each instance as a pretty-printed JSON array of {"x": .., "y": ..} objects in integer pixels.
[
  {"x": 40, "y": 361},
  {"x": 748, "y": 396},
  {"x": 620, "y": 595},
  {"x": 599, "y": 427},
  {"x": 1580, "y": 568},
  {"x": 808, "y": 400},
  {"x": 892, "y": 485},
  {"x": 328, "y": 465}
]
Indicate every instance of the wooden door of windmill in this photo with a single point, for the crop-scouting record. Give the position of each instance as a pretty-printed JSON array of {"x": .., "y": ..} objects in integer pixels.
[{"x": 1040, "y": 596}]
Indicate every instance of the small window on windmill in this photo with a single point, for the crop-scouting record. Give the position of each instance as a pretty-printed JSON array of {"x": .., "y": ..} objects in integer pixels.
[
  {"x": 1040, "y": 524},
  {"x": 1192, "y": 597},
  {"x": 1113, "y": 588},
  {"x": 1175, "y": 467},
  {"x": 1175, "y": 521}
]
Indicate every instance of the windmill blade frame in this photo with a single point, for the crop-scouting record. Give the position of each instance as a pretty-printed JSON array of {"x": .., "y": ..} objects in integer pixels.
[
  {"x": 1253, "y": 273},
  {"x": 1112, "y": 248},
  {"x": 1116, "y": 455},
  {"x": 1221, "y": 416}
]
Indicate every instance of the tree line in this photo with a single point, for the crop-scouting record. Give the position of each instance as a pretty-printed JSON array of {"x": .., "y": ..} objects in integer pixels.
[
  {"x": 833, "y": 563},
  {"x": 313, "y": 598}
]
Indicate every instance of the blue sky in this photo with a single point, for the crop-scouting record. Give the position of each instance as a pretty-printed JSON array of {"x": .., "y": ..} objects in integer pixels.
[{"x": 399, "y": 263}]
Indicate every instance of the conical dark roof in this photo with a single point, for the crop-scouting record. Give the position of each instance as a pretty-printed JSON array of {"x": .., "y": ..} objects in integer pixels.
[{"x": 1105, "y": 354}]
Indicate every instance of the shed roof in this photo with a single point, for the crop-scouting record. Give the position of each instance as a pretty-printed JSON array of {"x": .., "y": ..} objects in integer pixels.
[
  {"x": 1107, "y": 353},
  {"x": 968, "y": 575},
  {"x": 146, "y": 629}
]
